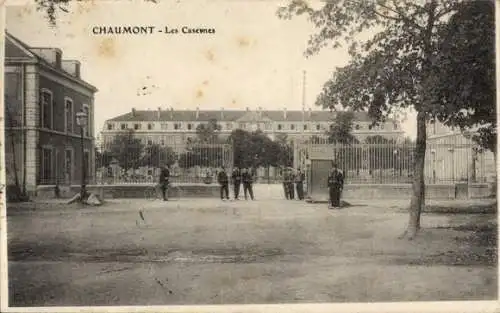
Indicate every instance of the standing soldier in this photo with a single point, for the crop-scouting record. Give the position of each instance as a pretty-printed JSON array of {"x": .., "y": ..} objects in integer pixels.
[
  {"x": 247, "y": 179},
  {"x": 164, "y": 182},
  {"x": 236, "y": 179},
  {"x": 223, "y": 181},
  {"x": 335, "y": 186},
  {"x": 299, "y": 184},
  {"x": 290, "y": 187},
  {"x": 285, "y": 183}
]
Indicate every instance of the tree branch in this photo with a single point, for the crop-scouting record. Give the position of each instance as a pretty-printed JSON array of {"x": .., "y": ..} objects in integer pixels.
[{"x": 401, "y": 15}]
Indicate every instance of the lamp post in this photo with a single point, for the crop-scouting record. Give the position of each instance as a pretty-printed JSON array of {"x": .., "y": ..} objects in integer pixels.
[{"x": 81, "y": 120}]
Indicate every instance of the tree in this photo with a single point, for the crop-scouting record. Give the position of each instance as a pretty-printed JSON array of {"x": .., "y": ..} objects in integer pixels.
[
  {"x": 389, "y": 70},
  {"x": 466, "y": 61},
  {"x": 127, "y": 150},
  {"x": 158, "y": 156},
  {"x": 208, "y": 132},
  {"x": 340, "y": 131}
]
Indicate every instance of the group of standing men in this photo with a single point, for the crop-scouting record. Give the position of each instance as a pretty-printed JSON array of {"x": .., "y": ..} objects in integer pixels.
[
  {"x": 291, "y": 178},
  {"x": 238, "y": 177},
  {"x": 244, "y": 177}
]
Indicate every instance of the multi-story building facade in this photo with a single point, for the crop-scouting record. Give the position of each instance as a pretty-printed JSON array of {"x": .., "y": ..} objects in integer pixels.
[
  {"x": 453, "y": 156},
  {"x": 175, "y": 127},
  {"x": 43, "y": 93}
]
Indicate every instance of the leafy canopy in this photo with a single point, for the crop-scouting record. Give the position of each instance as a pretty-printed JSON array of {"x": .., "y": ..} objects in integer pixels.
[{"x": 388, "y": 69}]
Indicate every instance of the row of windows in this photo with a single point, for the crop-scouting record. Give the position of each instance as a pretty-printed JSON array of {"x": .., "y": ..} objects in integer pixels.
[
  {"x": 229, "y": 126},
  {"x": 47, "y": 113}
]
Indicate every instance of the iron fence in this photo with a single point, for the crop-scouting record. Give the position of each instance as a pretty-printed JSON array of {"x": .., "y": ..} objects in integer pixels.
[
  {"x": 374, "y": 163},
  {"x": 393, "y": 163},
  {"x": 137, "y": 163}
]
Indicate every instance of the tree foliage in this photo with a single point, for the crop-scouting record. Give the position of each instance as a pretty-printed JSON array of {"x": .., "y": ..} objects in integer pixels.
[
  {"x": 463, "y": 85},
  {"x": 158, "y": 156},
  {"x": 208, "y": 132},
  {"x": 127, "y": 150},
  {"x": 340, "y": 131}
]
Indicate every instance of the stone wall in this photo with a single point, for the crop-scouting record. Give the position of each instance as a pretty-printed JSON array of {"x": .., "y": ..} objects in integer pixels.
[{"x": 273, "y": 191}]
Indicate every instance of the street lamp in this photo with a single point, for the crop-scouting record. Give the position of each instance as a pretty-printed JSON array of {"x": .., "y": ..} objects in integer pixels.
[{"x": 81, "y": 120}]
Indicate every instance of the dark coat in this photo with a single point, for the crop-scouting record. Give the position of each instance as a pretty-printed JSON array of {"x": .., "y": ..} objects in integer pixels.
[
  {"x": 222, "y": 178},
  {"x": 236, "y": 177},
  {"x": 247, "y": 178},
  {"x": 336, "y": 179},
  {"x": 164, "y": 175}
]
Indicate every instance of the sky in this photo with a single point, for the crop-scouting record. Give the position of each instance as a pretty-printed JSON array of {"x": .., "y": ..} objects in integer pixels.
[{"x": 253, "y": 60}]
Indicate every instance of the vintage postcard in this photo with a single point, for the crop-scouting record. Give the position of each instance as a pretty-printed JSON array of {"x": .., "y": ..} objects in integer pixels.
[{"x": 248, "y": 156}]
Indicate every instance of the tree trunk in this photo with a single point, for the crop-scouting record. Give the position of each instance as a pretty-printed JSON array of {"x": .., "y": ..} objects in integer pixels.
[{"x": 418, "y": 195}]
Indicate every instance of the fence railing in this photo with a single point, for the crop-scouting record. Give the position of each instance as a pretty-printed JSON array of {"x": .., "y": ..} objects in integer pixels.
[
  {"x": 393, "y": 163},
  {"x": 367, "y": 163}
]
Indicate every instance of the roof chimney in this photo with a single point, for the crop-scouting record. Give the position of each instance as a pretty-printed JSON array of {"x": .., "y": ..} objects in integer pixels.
[
  {"x": 310, "y": 112},
  {"x": 133, "y": 111},
  {"x": 172, "y": 113},
  {"x": 222, "y": 113},
  {"x": 197, "y": 112},
  {"x": 72, "y": 67},
  {"x": 284, "y": 113},
  {"x": 50, "y": 55},
  {"x": 260, "y": 112},
  {"x": 159, "y": 113}
]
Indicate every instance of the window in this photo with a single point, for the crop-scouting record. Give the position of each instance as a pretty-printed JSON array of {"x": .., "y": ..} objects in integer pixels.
[
  {"x": 137, "y": 126},
  {"x": 46, "y": 168},
  {"x": 190, "y": 126},
  {"x": 357, "y": 126},
  {"x": 150, "y": 142},
  {"x": 242, "y": 126},
  {"x": 292, "y": 127},
  {"x": 68, "y": 115},
  {"x": 268, "y": 125},
  {"x": 382, "y": 126},
  {"x": 305, "y": 126},
  {"x": 68, "y": 166},
  {"x": 177, "y": 126},
  {"x": 229, "y": 125},
  {"x": 162, "y": 142},
  {"x": 279, "y": 126},
  {"x": 110, "y": 126},
  {"x": 46, "y": 109},
  {"x": 123, "y": 126},
  {"x": 395, "y": 126},
  {"x": 150, "y": 126},
  {"x": 164, "y": 126},
  {"x": 370, "y": 127},
  {"x": 89, "y": 120},
  {"x": 318, "y": 127}
]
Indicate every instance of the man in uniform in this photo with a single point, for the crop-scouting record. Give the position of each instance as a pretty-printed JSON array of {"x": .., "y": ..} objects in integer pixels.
[
  {"x": 289, "y": 182},
  {"x": 285, "y": 183},
  {"x": 223, "y": 181},
  {"x": 335, "y": 186},
  {"x": 236, "y": 179},
  {"x": 164, "y": 182},
  {"x": 247, "y": 179},
  {"x": 299, "y": 184}
]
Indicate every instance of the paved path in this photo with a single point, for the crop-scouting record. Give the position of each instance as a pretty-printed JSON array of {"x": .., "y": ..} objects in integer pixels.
[{"x": 206, "y": 251}]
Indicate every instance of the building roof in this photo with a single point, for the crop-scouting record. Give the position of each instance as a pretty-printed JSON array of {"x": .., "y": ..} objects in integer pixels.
[
  {"x": 18, "y": 51},
  {"x": 231, "y": 116}
]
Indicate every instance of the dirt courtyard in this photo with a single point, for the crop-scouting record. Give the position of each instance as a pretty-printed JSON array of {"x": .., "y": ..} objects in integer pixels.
[{"x": 205, "y": 251}]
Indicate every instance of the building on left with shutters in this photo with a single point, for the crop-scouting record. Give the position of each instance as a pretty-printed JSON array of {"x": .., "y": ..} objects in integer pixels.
[{"x": 42, "y": 94}]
